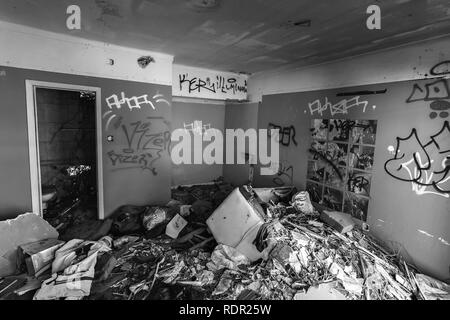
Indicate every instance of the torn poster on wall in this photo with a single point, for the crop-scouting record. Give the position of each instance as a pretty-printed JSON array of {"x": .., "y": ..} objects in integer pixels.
[
  {"x": 208, "y": 84},
  {"x": 423, "y": 162},
  {"x": 340, "y": 161}
]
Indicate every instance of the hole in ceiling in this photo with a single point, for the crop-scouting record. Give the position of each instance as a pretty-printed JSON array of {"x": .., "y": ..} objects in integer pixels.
[
  {"x": 203, "y": 4},
  {"x": 144, "y": 61}
]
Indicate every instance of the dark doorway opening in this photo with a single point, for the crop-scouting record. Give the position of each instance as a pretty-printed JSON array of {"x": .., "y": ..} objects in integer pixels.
[{"x": 67, "y": 155}]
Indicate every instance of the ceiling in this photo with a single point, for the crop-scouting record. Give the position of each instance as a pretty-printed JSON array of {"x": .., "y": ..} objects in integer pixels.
[{"x": 241, "y": 35}]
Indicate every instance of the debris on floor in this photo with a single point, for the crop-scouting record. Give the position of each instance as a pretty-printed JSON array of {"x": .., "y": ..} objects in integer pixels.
[
  {"x": 25, "y": 228},
  {"x": 217, "y": 242}
]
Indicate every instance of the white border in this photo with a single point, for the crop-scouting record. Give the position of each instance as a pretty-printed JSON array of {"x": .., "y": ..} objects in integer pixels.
[{"x": 33, "y": 144}]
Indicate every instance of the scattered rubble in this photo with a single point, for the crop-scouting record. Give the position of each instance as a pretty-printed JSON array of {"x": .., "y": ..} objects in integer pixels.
[{"x": 150, "y": 253}]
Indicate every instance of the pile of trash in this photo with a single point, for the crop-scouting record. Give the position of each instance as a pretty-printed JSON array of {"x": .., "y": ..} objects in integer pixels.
[
  {"x": 302, "y": 258},
  {"x": 214, "y": 242}
]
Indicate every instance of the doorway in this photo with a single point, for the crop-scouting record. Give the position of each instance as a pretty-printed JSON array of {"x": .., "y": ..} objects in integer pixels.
[{"x": 64, "y": 131}]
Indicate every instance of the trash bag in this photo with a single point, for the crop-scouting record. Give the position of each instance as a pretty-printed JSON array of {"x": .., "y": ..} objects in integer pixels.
[
  {"x": 73, "y": 270},
  {"x": 302, "y": 203},
  {"x": 201, "y": 210},
  {"x": 156, "y": 219},
  {"x": 227, "y": 257},
  {"x": 127, "y": 220},
  {"x": 433, "y": 289}
]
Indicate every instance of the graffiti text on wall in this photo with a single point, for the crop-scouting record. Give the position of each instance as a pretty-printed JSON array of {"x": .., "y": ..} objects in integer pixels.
[
  {"x": 219, "y": 84},
  {"x": 197, "y": 127},
  {"x": 115, "y": 103},
  {"x": 341, "y": 107},
  {"x": 284, "y": 175},
  {"x": 441, "y": 68},
  {"x": 436, "y": 92},
  {"x": 143, "y": 146},
  {"x": 425, "y": 165},
  {"x": 285, "y": 134}
]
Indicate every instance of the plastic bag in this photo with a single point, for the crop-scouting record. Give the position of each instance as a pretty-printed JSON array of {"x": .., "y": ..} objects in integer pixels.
[
  {"x": 302, "y": 203},
  {"x": 226, "y": 257},
  {"x": 433, "y": 289},
  {"x": 156, "y": 219},
  {"x": 127, "y": 219}
]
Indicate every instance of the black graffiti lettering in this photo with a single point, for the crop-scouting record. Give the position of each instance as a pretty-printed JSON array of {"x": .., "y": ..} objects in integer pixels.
[
  {"x": 181, "y": 80},
  {"x": 143, "y": 148},
  {"x": 113, "y": 157},
  {"x": 153, "y": 141},
  {"x": 318, "y": 155},
  {"x": 437, "y": 92},
  {"x": 222, "y": 84},
  {"x": 417, "y": 166},
  {"x": 441, "y": 68},
  {"x": 285, "y": 134},
  {"x": 284, "y": 171},
  {"x": 356, "y": 182}
]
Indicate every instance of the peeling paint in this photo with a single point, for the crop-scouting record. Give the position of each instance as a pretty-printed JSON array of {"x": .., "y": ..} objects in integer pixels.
[
  {"x": 444, "y": 241},
  {"x": 252, "y": 43},
  {"x": 425, "y": 233},
  {"x": 267, "y": 59},
  {"x": 229, "y": 39},
  {"x": 206, "y": 27},
  {"x": 159, "y": 24},
  {"x": 301, "y": 38}
]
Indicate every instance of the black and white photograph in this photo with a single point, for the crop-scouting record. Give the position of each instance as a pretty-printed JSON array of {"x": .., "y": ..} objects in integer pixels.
[{"x": 225, "y": 156}]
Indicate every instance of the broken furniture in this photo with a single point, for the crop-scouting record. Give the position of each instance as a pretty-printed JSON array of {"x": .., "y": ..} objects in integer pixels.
[{"x": 236, "y": 222}]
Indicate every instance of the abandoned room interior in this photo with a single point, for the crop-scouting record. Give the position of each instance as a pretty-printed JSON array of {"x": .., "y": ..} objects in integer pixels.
[{"x": 225, "y": 150}]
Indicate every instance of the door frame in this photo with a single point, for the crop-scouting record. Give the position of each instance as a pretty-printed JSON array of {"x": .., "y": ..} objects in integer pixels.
[{"x": 33, "y": 141}]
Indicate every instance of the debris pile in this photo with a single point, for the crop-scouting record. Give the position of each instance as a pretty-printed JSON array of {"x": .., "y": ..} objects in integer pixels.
[{"x": 169, "y": 252}]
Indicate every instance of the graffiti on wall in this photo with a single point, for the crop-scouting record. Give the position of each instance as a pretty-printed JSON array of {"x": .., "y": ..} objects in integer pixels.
[
  {"x": 285, "y": 134},
  {"x": 143, "y": 147},
  {"x": 115, "y": 103},
  {"x": 143, "y": 141},
  {"x": 441, "y": 68},
  {"x": 340, "y": 162},
  {"x": 197, "y": 127},
  {"x": 284, "y": 175},
  {"x": 218, "y": 84},
  {"x": 341, "y": 107},
  {"x": 208, "y": 84},
  {"x": 437, "y": 93},
  {"x": 425, "y": 163}
]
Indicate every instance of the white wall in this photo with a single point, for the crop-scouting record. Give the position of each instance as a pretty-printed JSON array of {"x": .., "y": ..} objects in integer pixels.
[
  {"x": 30, "y": 48},
  {"x": 402, "y": 63}
]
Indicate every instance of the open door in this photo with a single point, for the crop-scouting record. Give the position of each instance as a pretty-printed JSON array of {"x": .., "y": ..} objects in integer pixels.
[{"x": 64, "y": 133}]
